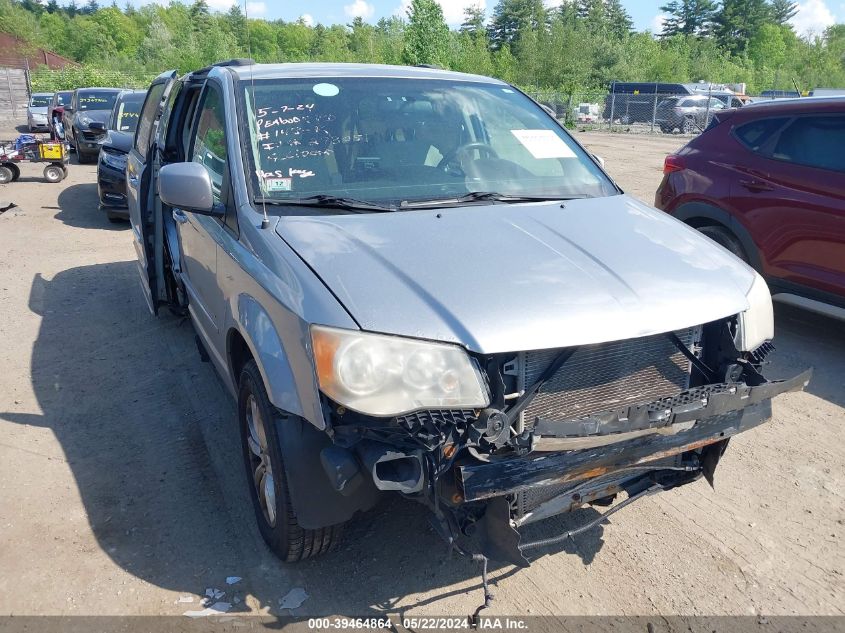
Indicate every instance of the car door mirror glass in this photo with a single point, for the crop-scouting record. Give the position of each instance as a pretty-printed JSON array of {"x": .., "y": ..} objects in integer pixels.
[{"x": 187, "y": 186}]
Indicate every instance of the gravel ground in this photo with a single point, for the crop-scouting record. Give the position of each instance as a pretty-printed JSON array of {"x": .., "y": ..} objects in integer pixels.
[{"x": 121, "y": 486}]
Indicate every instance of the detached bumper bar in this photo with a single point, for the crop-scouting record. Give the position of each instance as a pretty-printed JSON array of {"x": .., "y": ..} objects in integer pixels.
[{"x": 719, "y": 411}]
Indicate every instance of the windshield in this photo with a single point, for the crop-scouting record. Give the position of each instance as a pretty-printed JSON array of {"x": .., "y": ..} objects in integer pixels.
[
  {"x": 64, "y": 98},
  {"x": 40, "y": 101},
  {"x": 125, "y": 118},
  {"x": 394, "y": 141},
  {"x": 97, "y": 100}
]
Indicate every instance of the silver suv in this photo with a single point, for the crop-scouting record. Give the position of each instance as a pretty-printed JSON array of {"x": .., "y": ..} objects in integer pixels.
[{"x": 415, "y": 280}]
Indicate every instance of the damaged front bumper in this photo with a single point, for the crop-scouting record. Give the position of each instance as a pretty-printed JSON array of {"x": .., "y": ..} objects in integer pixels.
[
  {"x": 644, "y": 449},
  {"x": 629, "y": 437}
]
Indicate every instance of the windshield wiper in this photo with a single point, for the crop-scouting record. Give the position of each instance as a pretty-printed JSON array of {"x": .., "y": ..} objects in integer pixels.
[
  {"x": 483, "y": 196},
  {"x": 328, "y": 201}
]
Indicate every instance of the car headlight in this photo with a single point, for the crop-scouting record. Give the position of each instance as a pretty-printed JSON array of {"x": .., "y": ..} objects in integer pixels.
[
  {"x": 84, "y": 120},
  {"x": 756, "y": 325},
  {"x": 115, "y": 161},
  {"x": 384, "y": 375}
]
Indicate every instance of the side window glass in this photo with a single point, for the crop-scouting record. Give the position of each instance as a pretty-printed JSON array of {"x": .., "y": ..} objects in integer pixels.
[
  {"x": 756, "y": 134},
  {"x": 814, "y": 141},
  {"x": 145, "y": 123},
  {"x": 209, "y": 146}
]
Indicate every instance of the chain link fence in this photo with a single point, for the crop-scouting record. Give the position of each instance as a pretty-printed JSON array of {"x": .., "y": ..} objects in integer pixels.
[{"x": 632, "y": 111}]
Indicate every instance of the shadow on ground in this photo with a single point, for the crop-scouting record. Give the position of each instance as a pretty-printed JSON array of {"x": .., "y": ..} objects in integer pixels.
[
  {"x": 152, "y": 442},
  {"x": 804, "y": 339},
  {"x": 79, "y": 207}
]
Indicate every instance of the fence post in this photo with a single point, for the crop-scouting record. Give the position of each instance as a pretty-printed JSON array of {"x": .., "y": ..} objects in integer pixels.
[
  {"x": 707, "y": 111},
  {"x": 612, "y": 105},
  {"x": 654, "y": 110}
]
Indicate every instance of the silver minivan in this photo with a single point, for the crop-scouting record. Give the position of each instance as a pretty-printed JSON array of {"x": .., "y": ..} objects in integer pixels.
[{"x": 417, "y": 281}]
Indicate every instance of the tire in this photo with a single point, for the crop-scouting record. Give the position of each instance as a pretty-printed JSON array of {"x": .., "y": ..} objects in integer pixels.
[
  {"x": 725, "y": 239},
  {"x": 6, "y": 175},
  {"x": 689, "y": 126},
  {"x": 53, "y": 173},
  {"x": 16, "y": 172},
  {"x": 114, "y": 219},
  {"x": 82, "y": 157},
  {"x": 276, "y": 518}
]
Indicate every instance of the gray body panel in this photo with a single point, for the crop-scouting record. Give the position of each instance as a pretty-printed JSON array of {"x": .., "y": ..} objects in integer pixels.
[{"x": 503, "y": 278}]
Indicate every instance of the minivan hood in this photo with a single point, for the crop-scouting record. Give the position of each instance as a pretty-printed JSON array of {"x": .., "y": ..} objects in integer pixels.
[{"x": 504, "y": 278}]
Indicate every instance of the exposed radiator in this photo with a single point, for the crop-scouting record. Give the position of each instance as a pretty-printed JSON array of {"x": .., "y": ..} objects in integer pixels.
[{"x": 606, "y": 376}]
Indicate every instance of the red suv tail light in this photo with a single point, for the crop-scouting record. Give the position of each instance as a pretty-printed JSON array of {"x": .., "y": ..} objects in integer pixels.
[{"x": 673, "y": 163}]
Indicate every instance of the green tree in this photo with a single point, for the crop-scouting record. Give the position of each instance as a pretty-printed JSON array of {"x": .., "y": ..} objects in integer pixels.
[
  {"x": 782, "y": 11},
  {"x": 427, "y": 36},
  {"x": 512, "y": 17},
  {"x": 688, "y": 17},
  {"x": 474, "y": 19},
  {"x": 738, "y": 21},
  {"x": 619, "y": 20}
]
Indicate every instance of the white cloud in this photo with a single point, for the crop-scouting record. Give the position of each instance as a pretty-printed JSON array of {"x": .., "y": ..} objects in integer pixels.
[
  {"x": 657, "y": 23},
  {"x": 453, "y": 10},
  {"x": 813, "y": 16},
  {"x": 254, "y": 9},
  {"x": 359, "y": 9},
  {"x": 307, "y": 19}
]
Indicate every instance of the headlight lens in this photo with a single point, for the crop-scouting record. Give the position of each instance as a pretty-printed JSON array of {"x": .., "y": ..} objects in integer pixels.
[
  {"x": 756, "y": 325},
  {"x": 384, "y": 375},
  {"x": 115, "y": 161},
  {"x": 84, "y": 120}
]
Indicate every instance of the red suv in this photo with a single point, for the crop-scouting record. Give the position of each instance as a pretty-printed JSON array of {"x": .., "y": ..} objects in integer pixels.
[{"x": 767, "y": 182}]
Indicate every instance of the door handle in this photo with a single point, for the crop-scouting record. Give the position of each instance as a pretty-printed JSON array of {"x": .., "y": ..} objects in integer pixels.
[
  {"x": 755, "y": 185},
  {"x": 179, "y": 216}
]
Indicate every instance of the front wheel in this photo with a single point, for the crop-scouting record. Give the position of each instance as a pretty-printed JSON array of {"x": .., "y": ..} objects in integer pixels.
[
  {"x": 689, "y": 126},
  {"x": 262, "y": 453},
  {"x": 6, "y": 175}
]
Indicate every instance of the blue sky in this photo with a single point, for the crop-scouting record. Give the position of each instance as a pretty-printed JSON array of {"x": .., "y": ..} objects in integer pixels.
[{"x": 814, "y": 15}]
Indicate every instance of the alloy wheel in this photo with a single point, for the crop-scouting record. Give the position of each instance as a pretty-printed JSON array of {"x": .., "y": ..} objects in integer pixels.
[{"x": 262, "y": 466}]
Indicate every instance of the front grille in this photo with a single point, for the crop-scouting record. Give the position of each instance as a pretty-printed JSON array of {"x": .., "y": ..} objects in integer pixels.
[{"x": 606, "y": 376}]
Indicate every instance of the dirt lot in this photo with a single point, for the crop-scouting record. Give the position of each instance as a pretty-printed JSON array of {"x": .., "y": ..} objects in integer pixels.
[{"x": 121, "y": 484}]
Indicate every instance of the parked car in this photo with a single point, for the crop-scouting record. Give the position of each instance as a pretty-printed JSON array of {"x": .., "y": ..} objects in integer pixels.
[
  {"x": 767, "y": 182},
  {"x": 416, "y": 280},
  {"x": 111, "y": 166},
  {"x": 689, "y": 114},
  {"x": 58, "y": 103},
  {"x": 633, "y": 101},
  {"x": 36, "y": 111},
  {"x": 88, "y": 105},
  {"x": 588, "y": 113}
]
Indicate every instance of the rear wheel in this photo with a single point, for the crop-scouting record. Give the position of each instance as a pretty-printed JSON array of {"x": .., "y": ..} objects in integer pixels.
[
  {"x": 53, "y": 173},
  {"x": 6, "y": 175},
  {"x": 265, "y": 470},
  {"x": 725, "y": 239},
  {"x": 689, "y": 126}
]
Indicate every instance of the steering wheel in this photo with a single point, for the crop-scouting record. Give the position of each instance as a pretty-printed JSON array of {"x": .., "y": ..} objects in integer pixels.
[{"x": 448, "y": 164}]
